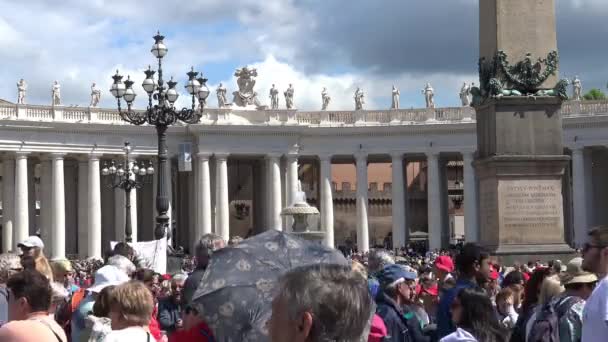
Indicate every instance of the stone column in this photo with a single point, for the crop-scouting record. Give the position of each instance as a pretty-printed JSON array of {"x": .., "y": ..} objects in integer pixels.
[
  {"x": 222, "y": 217},
  {"x": 58, "y": 190},
  {"x": 83, "y": 208},
  {"x": 21, "y": 229},
  {"x": 8, "y": 203},
  {"x": 46, "y": 206},
  {"x": 579, "y": 200},
  {"x": 433, "y": 200},
  {"x": 133, "y": 194},
  {"x": 399, "y": 207},
  {"x": 471, "y": 217},
  {"x": 274, "y": 172},
  {"x": 204, "y": 196},
  {"x": 362, "y": 196},
  {"x": 326, "y": 201},
  {"x": 291, "y": 181},
  {"x": 94, "y": 248}
]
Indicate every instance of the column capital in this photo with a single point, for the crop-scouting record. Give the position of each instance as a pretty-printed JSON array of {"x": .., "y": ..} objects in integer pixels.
[
  {"x": 432, "y": 154},
  {"x": 57, "y": 155},
  {"x": 21, "y": 155},
  {"x": 325, "y": 156},
  {"x": 273, "y": 155},
  {"x": 204, "y": 155},
  {"x": 577, "y": 150},
  {"x": 397, "y": 155},
  {"x": 468, "y": 154},
  {"x": 94, "y": 156},
  {"x": 290, "y": 157},
  {"x": 221, "y": 156},
  {"x": 360, "y": 156}
]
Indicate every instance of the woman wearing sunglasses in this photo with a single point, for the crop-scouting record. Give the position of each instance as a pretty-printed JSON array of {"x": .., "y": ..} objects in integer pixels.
[{"x": 475, "y": 319}]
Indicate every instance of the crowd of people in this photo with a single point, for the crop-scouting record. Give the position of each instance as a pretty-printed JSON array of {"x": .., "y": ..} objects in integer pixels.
[{"x": 458, "y": 295}]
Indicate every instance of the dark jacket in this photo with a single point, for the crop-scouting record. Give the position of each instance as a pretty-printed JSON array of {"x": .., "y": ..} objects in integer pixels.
[
  {"x": 168, "y": 314},
  {"x": 191, "y": 284},
  {"x": 402, "y": 325}
]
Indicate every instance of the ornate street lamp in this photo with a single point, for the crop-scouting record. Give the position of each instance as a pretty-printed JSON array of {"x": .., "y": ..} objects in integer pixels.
[
  {"x": 127, "y": 178},
  {"x": 161, "y": 113}
]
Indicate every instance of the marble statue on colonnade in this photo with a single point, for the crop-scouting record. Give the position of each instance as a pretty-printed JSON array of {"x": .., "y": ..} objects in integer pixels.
[
  {"x": 359, "y": 99},
  {"x": 395, "y": 102},
  {"x": 274, "y": 98},
  {"x": 246, "y": 96},
  {"x": 221, "y": 96},
  {"x": 289, "y": 96},
  {"x": 56, "y": 94},
  {"x": 465, "y": 94},
  {"x": 95, "y": 95},
  {"x": 429, "y": 96},
  {"x": 21, "y": 90},
  {"x": 577, "y": 89},
  {"x": 325, "y": 98}
]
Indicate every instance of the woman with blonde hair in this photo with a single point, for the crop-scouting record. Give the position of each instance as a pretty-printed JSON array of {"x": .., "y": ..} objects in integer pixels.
[
  {"x": 63, "y": 273},
  {"x": 549, "y": 288},
  {"x": 34, "y": 247},
  {"x": 131, "y": 306}
]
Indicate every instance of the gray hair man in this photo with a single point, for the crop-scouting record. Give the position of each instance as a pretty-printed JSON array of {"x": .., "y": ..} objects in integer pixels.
[
  {"x": 378, "y": 258},
  {"x": 321, "y": 303},
  {"x": 208, "y": 244}
]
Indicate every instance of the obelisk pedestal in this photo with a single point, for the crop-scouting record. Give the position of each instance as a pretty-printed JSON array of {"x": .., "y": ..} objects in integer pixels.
[{"x": 520, "y": 162}]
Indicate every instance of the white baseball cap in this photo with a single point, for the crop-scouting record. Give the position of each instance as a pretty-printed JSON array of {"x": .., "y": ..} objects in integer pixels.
[
  {"x": 32, "y": 241},
  {"x": 106, "y": 276}
]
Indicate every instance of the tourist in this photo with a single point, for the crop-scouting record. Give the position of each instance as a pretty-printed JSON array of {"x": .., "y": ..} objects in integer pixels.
[
  {"x": 378, "y": 329},
  {"x": 473, "y": 315},
  {"x": 150, "y": 279},
  {"x": 505, "y": 308},
  {"x": 194, "y": 328},
  {"x": 378, "y": 259},
  {"x": 471, "y": 262},
  {"x": 595, "y": 259},
  {"x": 321, "y": 302},
  {"x": 443, "y": 266},
  {"x": 122, "y": 263},
  {"x": 550, "y": 288},
  {"x": 398, "y": 287},
  {"x": 98, "y": 323},
  {"x": 64, "y": 274},
  {"x": 34, "y": 247},
  {"x": 9, "y": 265},
  {"x": 208, "y": 244},
  {"x": 104, "y": 277},
  {"x": 570, "y": 304},
  {"x": 531, "y": 300},
  {"x": 170, "y": 309},
  {"x": 29, "y": 300},
  {"x": 131, "y": 306},
  {"x": 515, "y": 281}
]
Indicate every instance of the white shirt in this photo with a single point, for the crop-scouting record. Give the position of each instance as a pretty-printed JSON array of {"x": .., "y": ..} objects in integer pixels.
[
  {"x": 595, "y": 314},
  {"x": 132, "y": 334},
  {"x": 460, "y": 335}
]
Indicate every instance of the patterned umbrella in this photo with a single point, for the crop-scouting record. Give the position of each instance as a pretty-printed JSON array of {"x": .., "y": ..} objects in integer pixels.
[{"x": 237, "y": 289}]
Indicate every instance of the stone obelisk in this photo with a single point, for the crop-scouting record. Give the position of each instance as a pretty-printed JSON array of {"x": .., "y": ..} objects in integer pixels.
[{"x": 520, "y": 162}]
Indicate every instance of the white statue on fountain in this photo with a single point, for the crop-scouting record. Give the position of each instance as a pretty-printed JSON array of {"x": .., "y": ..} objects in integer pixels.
[{"x": 246, "y": 96}]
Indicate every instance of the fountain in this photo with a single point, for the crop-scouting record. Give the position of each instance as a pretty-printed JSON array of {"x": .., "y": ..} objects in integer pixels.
[{"x": 301, "y": 211}]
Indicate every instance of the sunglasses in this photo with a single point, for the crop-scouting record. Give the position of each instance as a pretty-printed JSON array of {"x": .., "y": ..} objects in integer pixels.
[{"x": 588, "y": 246}]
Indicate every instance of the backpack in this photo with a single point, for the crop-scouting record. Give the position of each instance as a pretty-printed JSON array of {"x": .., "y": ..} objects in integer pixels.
[{"x": 546, "y": 326}]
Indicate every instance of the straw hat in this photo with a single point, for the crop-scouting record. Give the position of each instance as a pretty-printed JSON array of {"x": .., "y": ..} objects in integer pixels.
[{"x": 574, "y": 273}]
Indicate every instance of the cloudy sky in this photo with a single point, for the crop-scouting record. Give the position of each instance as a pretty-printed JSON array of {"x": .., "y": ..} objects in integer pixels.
[{"x": 338, "y": 44}]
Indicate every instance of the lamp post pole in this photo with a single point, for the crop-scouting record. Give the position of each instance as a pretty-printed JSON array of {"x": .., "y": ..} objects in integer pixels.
[
  {"x": 161, "y": 113},
  {"x": 126, "y": 179}
]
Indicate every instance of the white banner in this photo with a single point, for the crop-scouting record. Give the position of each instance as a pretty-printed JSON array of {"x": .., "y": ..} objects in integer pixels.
[{"x": 154, "y": 253}]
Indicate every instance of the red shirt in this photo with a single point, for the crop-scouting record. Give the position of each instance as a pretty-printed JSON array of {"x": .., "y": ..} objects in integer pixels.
[
  {"x": 154, "y": 326},
  {"x": 200, "y": 333}
]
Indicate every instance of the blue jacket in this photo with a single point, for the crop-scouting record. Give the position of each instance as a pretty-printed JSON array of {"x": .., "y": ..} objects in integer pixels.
[
  {"x": 168, "y": 314},
  {"x": 445, "y": 326},
  {"x": 402, "y": 326}
]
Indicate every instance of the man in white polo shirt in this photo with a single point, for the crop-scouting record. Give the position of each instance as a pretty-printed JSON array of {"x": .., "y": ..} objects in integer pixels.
[{"x": 595, "y": 259}]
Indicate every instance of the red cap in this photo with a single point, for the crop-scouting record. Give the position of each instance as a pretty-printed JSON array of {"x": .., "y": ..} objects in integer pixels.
[
  {"x": 445, "y": 263},
  {"x": 526, "y": 277},
  {"x": 433, "y": 290},
  {"x": 166, "y": 277}
]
